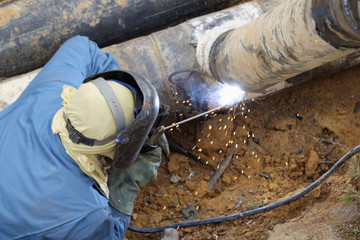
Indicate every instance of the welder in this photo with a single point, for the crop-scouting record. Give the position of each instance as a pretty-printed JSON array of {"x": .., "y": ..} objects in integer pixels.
[{"x": 74, "y": 148}]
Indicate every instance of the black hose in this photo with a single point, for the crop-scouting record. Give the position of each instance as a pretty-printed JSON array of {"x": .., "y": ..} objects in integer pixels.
[{"x": 257, "y": 210}]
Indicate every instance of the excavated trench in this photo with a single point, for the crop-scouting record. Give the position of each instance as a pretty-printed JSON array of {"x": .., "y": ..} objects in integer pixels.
[{"x": 280, "y": 144}]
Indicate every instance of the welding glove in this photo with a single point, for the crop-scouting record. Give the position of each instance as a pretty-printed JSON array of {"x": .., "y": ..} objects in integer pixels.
[{"x": 124, "y": 185}]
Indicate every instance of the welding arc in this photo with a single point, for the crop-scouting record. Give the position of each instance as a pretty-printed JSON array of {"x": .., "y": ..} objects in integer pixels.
[{"x": 293, "y": 197}]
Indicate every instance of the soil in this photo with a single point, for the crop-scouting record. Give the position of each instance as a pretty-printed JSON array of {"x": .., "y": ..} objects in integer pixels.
[{"x": 280, "y": 145}]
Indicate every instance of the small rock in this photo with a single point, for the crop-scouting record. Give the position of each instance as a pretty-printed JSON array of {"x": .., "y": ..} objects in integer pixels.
[
  {"x": 175, "y": 178},
  {"x": 134, "y": 216},
  {"x": 170, "y": 234}
]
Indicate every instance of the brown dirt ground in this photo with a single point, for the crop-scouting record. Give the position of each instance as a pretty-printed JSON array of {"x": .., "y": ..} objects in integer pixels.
[{"x": 287, "y": 136}]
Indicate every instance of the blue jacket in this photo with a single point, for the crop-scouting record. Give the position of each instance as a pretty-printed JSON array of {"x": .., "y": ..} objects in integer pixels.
[{"x": 43, "y": 192}]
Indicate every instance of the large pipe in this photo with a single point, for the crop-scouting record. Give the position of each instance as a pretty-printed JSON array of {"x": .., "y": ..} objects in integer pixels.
[
  {"x": 294, "y": 37},
  {"x": 31, "y": 31}
]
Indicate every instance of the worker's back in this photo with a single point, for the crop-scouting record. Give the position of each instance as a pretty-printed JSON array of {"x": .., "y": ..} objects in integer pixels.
[{"x": 43, "y": 192}]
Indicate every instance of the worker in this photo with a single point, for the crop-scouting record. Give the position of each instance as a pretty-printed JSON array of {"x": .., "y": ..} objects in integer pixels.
[{"x": 58, "y": 139}]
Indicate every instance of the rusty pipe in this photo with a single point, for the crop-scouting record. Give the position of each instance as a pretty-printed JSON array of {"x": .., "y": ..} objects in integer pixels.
[{"x": 294, "y": 37}]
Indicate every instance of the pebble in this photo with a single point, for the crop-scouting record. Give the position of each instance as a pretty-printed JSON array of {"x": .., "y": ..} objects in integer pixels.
[
  {"x": 175, "y": 178},
  {"x": 170, "y": 234}
]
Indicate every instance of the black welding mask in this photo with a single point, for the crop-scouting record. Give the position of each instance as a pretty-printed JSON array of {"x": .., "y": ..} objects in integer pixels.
[{"x": 129, "y": 140}]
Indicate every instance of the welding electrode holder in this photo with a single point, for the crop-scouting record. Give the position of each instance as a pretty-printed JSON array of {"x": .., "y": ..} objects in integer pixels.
[{"x": 156, "y": 134}]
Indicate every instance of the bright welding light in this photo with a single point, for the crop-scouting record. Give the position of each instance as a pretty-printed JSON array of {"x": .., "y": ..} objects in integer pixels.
[{"x": 230, "y": 94}]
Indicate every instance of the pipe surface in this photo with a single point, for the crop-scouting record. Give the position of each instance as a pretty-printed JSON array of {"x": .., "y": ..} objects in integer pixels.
[
  {"x": 31, "y": 31},
  {"x": 292, "y": 38}
]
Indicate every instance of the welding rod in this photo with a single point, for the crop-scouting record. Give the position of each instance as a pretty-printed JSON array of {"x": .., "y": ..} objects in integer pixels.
[{"x": 193, "y": 117}]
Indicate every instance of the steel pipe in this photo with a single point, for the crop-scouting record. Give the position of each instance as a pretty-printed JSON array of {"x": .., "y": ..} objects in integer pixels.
[{"x": 294, "y": 37}]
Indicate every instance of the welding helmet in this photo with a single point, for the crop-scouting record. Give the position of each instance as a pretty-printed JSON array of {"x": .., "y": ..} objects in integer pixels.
[{"x": 129, "y": 140}]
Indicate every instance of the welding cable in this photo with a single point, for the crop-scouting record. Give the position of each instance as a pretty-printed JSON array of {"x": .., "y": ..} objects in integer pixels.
[{"x": 257, "y": 210}]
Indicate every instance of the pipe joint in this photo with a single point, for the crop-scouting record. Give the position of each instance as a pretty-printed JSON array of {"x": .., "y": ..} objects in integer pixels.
[{"x": 337, "y": 22}]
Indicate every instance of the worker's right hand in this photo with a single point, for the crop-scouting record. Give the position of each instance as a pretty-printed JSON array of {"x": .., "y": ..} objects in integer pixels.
[
  {"x": 124, "y": 185},
  {"x": 157, "y": 139}
]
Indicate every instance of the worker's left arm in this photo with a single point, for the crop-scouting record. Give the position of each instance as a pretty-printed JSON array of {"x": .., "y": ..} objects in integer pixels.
[
  {"x": 75, "y": 60},
  {"x": 112, "y": 226}
]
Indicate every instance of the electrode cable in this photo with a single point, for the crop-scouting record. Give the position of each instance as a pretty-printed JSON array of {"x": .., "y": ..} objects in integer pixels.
[{"x": 269, "y": 207}]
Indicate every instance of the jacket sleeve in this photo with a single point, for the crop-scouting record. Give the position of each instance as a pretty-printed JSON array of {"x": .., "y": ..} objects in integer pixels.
[
  {"x": 103, "y": 223},
  {"x": 75, "y": 60},
  {"x": 113, "y": 227}
]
